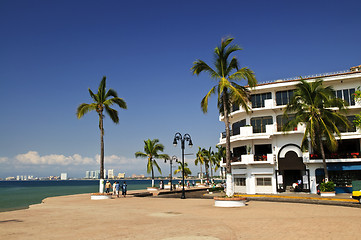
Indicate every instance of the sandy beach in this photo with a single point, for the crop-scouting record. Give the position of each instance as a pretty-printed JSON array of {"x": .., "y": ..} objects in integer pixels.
[{"x": 78, "y": 217}]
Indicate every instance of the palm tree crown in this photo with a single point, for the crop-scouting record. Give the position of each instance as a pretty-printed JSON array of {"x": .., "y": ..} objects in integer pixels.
[
  {"x": 151, "y": 151},
  {"x": 103, "y": 99},
  {"x": 313, "y": 105},
  {"x": 187, "y": 171}
]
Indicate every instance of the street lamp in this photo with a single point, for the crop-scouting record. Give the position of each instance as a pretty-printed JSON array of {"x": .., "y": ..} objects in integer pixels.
[
  {"x": 174, "y": 158},
  {"x": 182, "y": 139}
]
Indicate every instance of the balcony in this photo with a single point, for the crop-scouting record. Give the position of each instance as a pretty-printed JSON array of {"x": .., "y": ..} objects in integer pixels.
[
  {"x": 247, "y": 132},
  {"x": 332, "y": 158},
  {"x": 337, "y": 155},
  {"x": 252, "y": 159}
]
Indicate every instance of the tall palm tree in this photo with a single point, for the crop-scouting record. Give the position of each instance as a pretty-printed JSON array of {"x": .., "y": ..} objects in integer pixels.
[
  {"x": 200, "y": 160},
  {"x": 313, "y": 105},
  {"x": 102, "y": 100},
  {"x": 227, "y": 72},
  {"x": 151, "y": 151},
  {"x": 187, "y": 171}
]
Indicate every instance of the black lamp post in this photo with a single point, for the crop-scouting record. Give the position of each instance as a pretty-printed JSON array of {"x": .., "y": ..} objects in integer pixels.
[
  {"x": 174, "y": 158},
  {"x": 182, "y": 139}
]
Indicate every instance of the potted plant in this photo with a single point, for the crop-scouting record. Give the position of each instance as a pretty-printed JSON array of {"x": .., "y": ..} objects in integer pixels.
[
  {"x": 327, "y": 189},
  {"x": 249, "y": 149}
]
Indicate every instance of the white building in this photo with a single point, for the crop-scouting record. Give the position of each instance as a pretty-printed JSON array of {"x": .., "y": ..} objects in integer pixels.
[
  {"x": 267, "y": 160},
  {"x": 121, "y": 175},
  {"x": 110, "y": 173},
  {"x": 64, "y": 176}
]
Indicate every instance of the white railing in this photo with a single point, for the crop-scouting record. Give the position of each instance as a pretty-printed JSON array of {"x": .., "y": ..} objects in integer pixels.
[{"x": 307, "y": 76}]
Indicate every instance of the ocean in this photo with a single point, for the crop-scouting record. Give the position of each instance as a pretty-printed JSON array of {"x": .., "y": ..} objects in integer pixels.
[{"x": 20, "y": 194}]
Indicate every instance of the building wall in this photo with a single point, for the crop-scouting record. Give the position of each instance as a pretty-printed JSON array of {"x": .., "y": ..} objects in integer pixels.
[{"x": 246, "y": 167}]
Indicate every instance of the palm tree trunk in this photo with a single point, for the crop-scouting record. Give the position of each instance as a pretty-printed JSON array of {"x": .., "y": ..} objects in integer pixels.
[
  {"x": 211, "y": 171},
  {"x": 101, "y": 186},
  {"x": 152, "y": 177},
  {"x": 207, "y": 173},
  {"x": 323, "y": 159},
  {"x": 201, "y": 174},
  {"x": 229, "y": 181}
]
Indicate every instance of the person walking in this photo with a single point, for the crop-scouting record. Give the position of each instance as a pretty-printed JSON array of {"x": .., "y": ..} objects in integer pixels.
[
  {"x": 107, "y": 187},
  {"x": 114, "y": 191},
  {"x": 117, "y": 188},
  {"x": 124, "y": 189}
]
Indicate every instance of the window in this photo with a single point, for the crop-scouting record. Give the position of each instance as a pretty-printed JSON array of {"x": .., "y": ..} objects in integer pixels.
[
  {"x": 282, "y": 121},
  {"x": 284, "y": 97},
  {"x": 259, "y": 123},
  {"x": 347, "y": 95},
  {"x": 235, "y": 107},
  {"x": 240, "y": 181},
  {"x": 264, "y": 181},
  {"x": 237, "y": 125},
  {"x": 258, "y": 99},
  {"x": 239, "y": 151},
  {"x": 352, "y": 125}
]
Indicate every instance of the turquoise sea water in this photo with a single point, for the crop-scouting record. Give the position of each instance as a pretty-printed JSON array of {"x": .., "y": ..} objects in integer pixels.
[{"x": 20, "y": 194}]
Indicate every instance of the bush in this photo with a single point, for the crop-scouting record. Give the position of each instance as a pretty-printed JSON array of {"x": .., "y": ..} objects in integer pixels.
[
  {"x": 216, "y": 189},
  {"x": 327, "y": 187}
]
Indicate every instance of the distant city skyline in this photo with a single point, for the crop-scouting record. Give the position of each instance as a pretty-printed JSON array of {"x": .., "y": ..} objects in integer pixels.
[{"x": 52, "y": 52}]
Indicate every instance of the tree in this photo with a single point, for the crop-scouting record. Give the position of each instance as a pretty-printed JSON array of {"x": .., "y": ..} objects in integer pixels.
[
  {"x": 151, "y": 151},
  {"x": 220, "y": 156},
  {"x": 200, "y": 160},
  {"x": 357, "y": 97},
  {"x": 227, "y": 72},
  {"x": 187, "y": 171},
  {"x": 210, "y": 159},
  {"x": 312, "y": 104},
  {"x": 102, "y": 100},
  {"x": 206, "y": 164}
]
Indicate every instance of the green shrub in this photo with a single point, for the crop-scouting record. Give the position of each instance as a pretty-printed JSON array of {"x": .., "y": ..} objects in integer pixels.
[
  {"x": 327, "y": 187},
  {"x": 216, "y": 189}
]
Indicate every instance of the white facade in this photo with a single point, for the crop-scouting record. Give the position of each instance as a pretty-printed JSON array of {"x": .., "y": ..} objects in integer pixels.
[
  {"x": 64, "y": 176},
  {"x": 267, "y": 160},
  {"x": 110, "y": 173}
]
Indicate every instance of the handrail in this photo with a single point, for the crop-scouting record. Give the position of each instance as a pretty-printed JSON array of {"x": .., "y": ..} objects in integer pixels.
[{"x": 307, "y": 76}]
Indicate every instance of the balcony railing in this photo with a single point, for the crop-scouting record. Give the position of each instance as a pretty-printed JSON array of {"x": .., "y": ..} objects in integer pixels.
[
  {"x": 252, "y": 159},
  {"x": 258, "y": 158},
  {"x": 337, "y": 155},
  {"x": 308, "y": 76},
  {"x": 224, "y": 134}
]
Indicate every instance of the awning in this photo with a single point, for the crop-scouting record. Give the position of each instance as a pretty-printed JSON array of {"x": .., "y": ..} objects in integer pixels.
[{"x": 343, "y": 166}]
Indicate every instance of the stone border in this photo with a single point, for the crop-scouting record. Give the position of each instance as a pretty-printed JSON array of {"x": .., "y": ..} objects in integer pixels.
[
  {"x": 100, "y": 197},
  {"x": 229, "y": 202}
]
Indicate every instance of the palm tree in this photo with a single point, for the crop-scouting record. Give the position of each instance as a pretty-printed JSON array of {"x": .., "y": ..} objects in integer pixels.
[
  {"x": 210, "y": 158},
  {"x": 220, "y": 156},
  {"x": 200, "y": 160},
  {"x": 187, "y": 171},
  {"x": 151, "y": 151},
  {"x": 102, "y": 100},
  {"x": 206, "y": 164},
  {"x": 312, "y": 105},
  {"x": 226, "y": 73}
]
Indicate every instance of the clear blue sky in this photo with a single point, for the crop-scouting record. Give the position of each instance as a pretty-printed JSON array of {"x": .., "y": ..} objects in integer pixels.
[{"x": 51, "y": 52}]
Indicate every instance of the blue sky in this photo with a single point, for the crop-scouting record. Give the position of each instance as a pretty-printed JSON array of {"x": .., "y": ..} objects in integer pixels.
[{"x": 51, "y": 52}]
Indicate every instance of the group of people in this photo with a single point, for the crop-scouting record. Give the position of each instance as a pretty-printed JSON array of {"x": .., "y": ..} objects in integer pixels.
[{"x": 116, "y": 187}]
